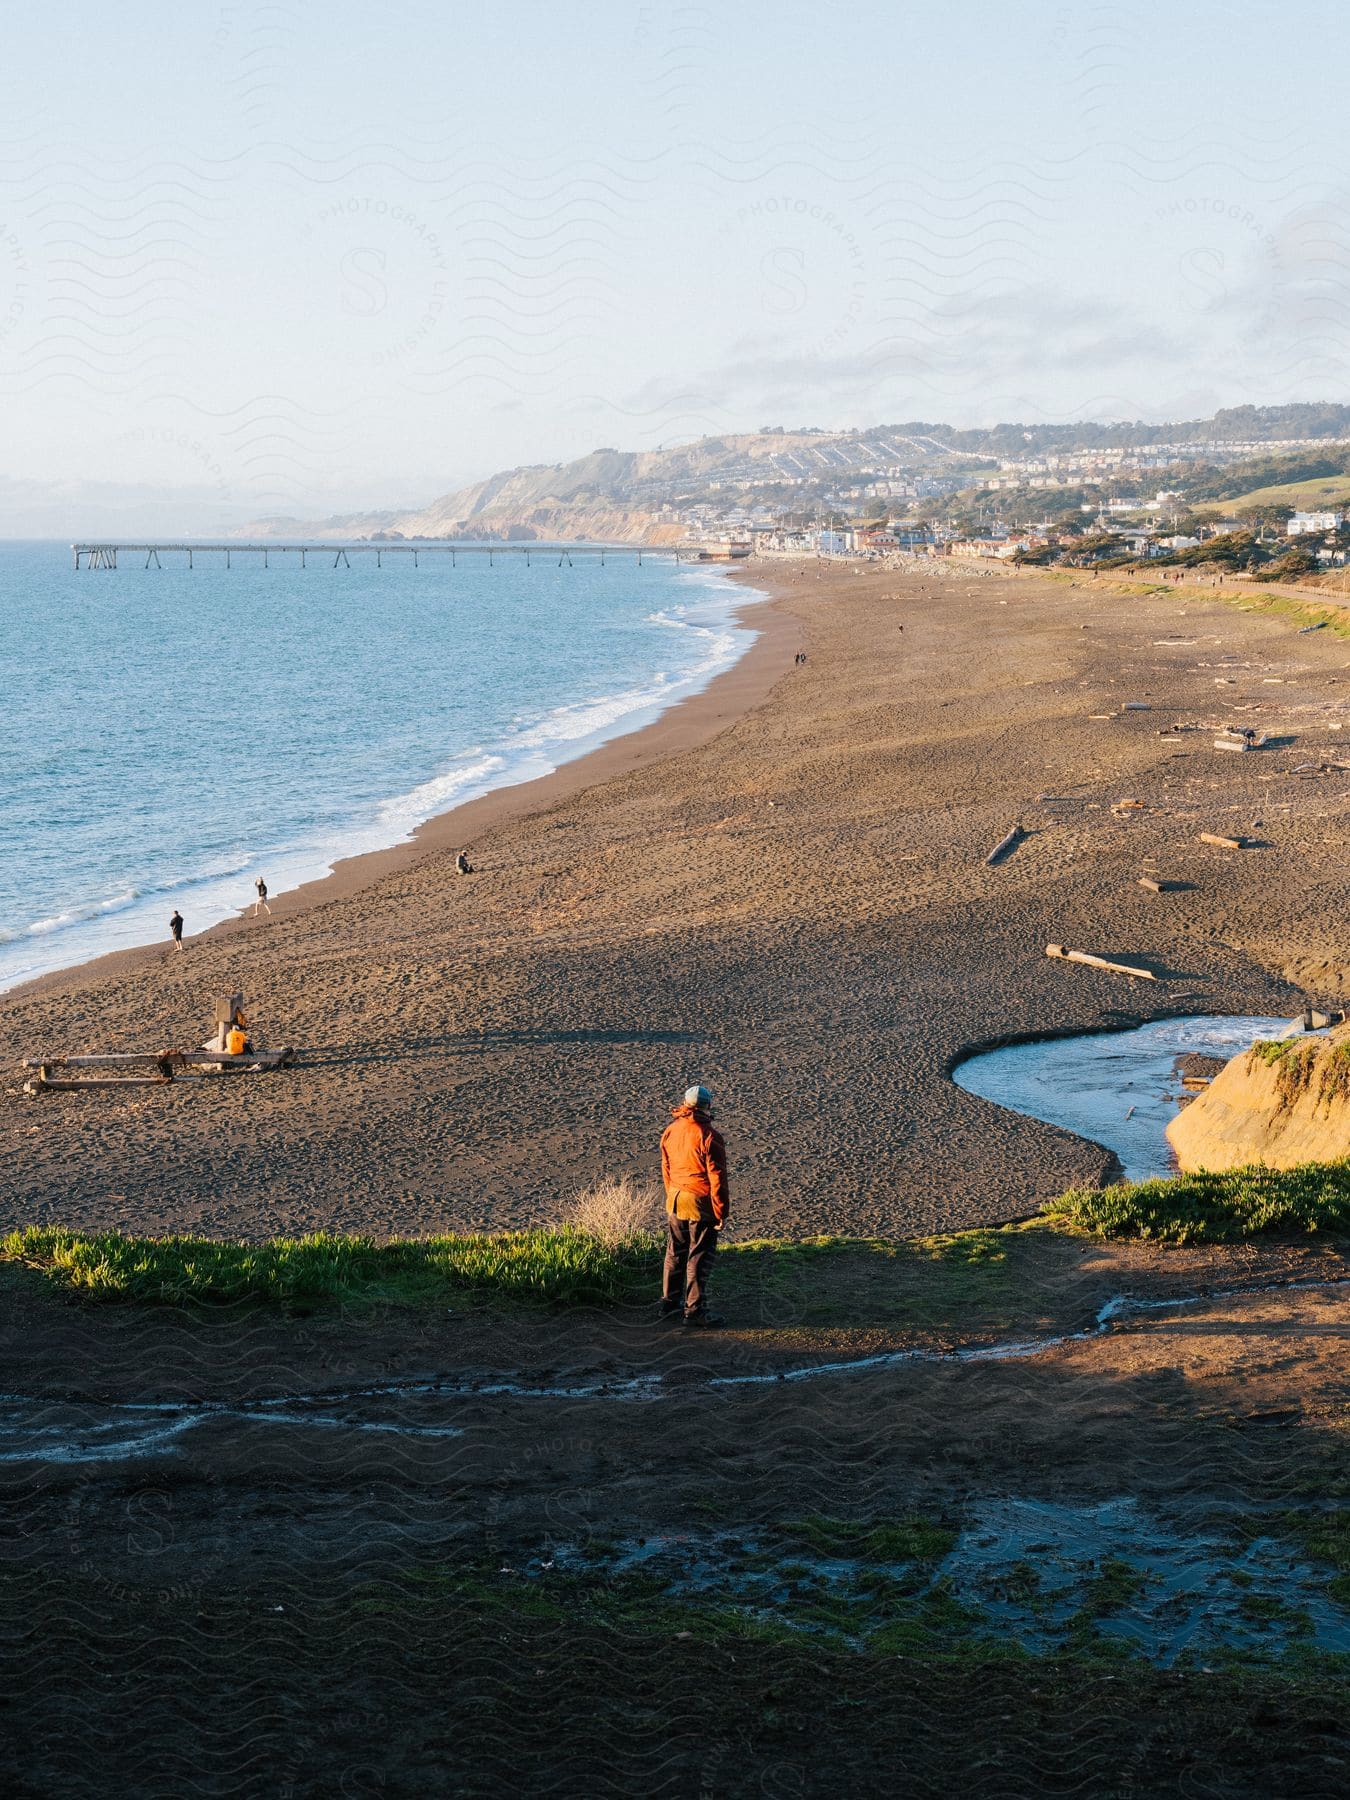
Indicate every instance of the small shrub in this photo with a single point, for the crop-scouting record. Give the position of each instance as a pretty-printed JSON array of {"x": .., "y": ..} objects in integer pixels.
[{"x": 617, "y": 1210}]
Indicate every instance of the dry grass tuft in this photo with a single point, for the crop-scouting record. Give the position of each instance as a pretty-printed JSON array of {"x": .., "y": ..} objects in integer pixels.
[{"x": 617, "y": 1210}]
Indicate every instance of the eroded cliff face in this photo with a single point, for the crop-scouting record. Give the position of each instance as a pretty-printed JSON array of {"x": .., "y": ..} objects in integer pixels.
[
  {"x": 1278, "y": 1104},
  {"x": 558, "y": 521}
]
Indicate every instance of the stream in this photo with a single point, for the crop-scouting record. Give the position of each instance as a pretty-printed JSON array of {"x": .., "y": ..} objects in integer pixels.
[
  {"x": 49, "y": 1429},
  {"x": 1118, "y": 1089}
]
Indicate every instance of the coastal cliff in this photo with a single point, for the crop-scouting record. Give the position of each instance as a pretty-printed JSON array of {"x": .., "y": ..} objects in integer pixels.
[{"x": 1280, "y": 1104}]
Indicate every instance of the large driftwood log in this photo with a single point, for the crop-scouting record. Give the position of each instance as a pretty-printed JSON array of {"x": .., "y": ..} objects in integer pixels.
[{"x": 1098, "y": 962}]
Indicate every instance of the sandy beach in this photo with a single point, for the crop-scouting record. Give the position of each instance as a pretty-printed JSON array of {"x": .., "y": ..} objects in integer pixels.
[{"x": 780, "y": 889}]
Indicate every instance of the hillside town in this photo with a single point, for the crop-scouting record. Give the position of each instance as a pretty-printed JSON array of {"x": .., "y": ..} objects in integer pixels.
[
  {"x": 1118, "y": 534},
  {"x": 1270, "y": 511}
]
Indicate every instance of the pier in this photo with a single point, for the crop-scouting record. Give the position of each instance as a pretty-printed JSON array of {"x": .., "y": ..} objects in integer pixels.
[{"x": 104, "y": 556}]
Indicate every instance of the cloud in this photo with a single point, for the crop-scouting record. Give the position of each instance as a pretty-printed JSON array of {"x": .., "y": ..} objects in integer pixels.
[{"x": 1033, "y": 338}]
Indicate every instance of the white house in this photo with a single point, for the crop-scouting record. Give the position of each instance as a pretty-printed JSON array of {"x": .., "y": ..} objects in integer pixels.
[{"x": 1304, "y": 523}]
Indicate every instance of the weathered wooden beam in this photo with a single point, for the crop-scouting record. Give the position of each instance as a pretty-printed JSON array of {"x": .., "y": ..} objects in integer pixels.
[
  {"x": 1224, "y": 843},
  {"x": 96, "y": 1081},
  {"x": 1098, "y": 962},
  {"x": 82, "y": 1062},
  {"x": 178, "y": 1058}
]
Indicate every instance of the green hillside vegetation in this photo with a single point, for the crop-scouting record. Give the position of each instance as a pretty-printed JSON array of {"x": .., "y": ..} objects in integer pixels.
[{"x": 1304, "y": 496}]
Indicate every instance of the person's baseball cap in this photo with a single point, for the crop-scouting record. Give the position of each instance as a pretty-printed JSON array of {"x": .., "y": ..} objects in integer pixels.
[{"x": 697, "y": 1096}]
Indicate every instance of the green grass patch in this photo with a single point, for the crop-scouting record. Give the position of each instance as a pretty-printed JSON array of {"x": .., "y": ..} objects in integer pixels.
[
  {"x": 1318, "y": 493},
  {"x": 958, "y": 1249},
  {"x": 872, "y": 1541},
  {"x": 1284, "y": 606},
  {"x": 1325, "y": 1537},
  {"x": 1115, "y": 1585},
  {"x": 556, "y": 1266},
  {"x": 560, "y": 1266},
  {"x": 1215, "y": 1208}
]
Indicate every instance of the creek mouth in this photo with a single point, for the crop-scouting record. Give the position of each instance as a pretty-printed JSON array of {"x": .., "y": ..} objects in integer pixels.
[{"x": 1117, "y": 1089}]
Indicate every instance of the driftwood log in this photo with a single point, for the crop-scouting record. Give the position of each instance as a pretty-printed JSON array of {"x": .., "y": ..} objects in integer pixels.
[
  {"x": 1098, "y": 962},
  {"x": 1005, "y": 846}
]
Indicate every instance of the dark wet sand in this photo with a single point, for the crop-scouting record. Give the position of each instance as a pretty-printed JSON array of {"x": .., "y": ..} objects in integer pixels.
[{"x": 788, "y": 901}]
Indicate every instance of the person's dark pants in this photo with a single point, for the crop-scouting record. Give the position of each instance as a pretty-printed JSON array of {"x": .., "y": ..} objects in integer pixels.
[{"x": 691, "y": 1245}]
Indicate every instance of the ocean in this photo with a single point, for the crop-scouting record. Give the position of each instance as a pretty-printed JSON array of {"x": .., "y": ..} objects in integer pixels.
[{"x": 168, "y": 735}]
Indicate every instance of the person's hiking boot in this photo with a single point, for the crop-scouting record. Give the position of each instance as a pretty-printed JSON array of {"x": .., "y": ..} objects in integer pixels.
[
  {"x": 703, "y": 1321},
  {"x": 668, "y": 1310}
]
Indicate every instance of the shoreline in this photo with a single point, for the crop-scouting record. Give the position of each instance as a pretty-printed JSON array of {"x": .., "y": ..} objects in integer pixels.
[
  {"x": 780, "y": 888},
  {"x": 691, "y": 720}
]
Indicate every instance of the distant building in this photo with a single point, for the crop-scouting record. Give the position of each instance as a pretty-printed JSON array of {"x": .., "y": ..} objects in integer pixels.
[
  {"x": 971, "y": 547},
  {"x": 1304, "y": 523}
]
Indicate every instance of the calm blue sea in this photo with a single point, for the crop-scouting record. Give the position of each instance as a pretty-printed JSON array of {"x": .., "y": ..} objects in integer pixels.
[{"x": 166, "y": 735}]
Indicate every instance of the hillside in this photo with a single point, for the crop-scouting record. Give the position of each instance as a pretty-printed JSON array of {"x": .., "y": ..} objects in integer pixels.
[
  {"x": 631, "y": 495},
  {"x": 1323, "y": 491},
  {"x": 637, "y": 496}
]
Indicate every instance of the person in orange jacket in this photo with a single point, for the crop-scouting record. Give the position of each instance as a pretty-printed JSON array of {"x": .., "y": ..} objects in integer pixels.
[{"x": 694, "y": 1170}]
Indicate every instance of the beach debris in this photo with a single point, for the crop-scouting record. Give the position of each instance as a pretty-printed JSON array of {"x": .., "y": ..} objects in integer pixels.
[
  {"x": 1233, "y": 737},
  {"x": 1155, "y": 884},
  {"x": 1224, "y": 843},
  {"x": 1303, "y": 630},
  {"x": 230, "y": 1032},
  {"x": 1127, "y": 806},
  {"x": 1138, "y": 706},
  {"x": 227, "y": 1051},
  {"x": 1098, "y": 962},
  {"x": 1311, "y": 1019},
  {"x": 169, "y": 1065},
  {"x": 1005, "y": 846}
]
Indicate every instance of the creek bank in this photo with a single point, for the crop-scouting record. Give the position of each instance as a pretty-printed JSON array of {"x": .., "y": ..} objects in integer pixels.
[
  {"x": 1282, "y": 1104},
  {"x": 1117, "y": 1089}
]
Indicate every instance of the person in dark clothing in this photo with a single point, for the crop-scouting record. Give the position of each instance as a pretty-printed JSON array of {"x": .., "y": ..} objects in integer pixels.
[
  {"x": 176, "y": 927},
  {"x": 462, "y": 865},
  {"x": 261, "y": 886},
  {"x": 694, "y": 1171}
]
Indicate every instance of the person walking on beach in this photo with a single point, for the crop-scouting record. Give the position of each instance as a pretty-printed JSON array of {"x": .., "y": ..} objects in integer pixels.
[
  {"x": 694, "y": 1171},
  {"x": 261, "y": 901},
  {"x": 176, "y": 927}
]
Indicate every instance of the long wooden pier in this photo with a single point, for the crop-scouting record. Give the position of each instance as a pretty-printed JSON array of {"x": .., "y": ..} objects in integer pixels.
[{"x": 104, "y": 556}]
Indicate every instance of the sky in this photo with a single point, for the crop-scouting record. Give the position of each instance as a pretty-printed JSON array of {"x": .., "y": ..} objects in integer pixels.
[{"x": 300, "y": 258}]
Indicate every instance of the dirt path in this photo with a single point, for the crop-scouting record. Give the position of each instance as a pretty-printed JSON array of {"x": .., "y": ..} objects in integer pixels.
[{"x": 797, "y": 911}]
